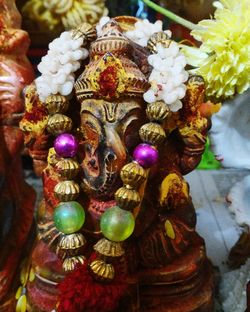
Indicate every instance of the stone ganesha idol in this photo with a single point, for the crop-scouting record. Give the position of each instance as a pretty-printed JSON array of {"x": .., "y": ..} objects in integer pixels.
[
  {"x": 16, "y": 207},
  {"x": 116, "y": 228}
]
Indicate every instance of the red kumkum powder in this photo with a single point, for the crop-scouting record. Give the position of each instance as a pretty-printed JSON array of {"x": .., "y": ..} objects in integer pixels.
[
  {"x": 37, "y": 113},
  {"x": 108, "y": 81}
]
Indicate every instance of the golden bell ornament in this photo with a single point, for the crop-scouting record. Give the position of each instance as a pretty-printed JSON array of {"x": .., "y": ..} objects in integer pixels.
[
  {"x": 102, "y": 271},
  {"x": 152, "y": 133},
  {"x": 159, "y": 37},
  {"x": 56, "y": 104},
  {"x": 157, "y": 111},
  {"x": 127, "y": 198},
  {"x": 68, "y": 168},
  {"x": 58, "y": 124},
  {"x": 67, "y": 191},
  {"x": 69, "y": 264},
  {"x": 109, "y": 248},
  {"x": 72, "y": 241},
  {"x": 133, "y": 174},
  {"x": 85, "y": 30}
]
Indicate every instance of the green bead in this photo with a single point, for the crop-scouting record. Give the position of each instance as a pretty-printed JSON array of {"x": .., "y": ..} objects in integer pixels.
[
  {"x": 117, "y": 224},
  {"x": 69, "y": 217}
]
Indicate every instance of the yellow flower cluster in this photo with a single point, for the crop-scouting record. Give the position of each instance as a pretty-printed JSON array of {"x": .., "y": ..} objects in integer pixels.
[
  {"x": 57, "y": 15},
  {"x": 223, "y": 58}
]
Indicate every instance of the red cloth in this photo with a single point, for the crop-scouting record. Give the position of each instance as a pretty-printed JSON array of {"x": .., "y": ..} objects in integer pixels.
[{"x": 79, "y": 291}]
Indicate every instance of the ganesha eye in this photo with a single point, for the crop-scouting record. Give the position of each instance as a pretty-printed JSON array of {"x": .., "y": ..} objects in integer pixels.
[
  {"x": 88, "y": 148},
  {"x": 93, "y": 125}
]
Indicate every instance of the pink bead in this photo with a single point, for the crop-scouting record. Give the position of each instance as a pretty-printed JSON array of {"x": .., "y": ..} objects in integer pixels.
[
  {"x": 66, "y": 145},
  {"x": 146, "y": 155}
]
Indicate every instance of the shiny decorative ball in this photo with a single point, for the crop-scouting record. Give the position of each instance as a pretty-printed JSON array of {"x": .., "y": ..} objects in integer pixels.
[
  {"x": 69, "y": 217},
  {"x": 157, "y": 111},
  {"x": 56, "y": 104},
  {"x": 58, "y": 124},
  {"x": 133, "y": 174},
  {"x": 72, "y": 241},
  {"x": 68, "y": 168},
  {"x": 67, "y": 190},
  {"x": 69, "y": 264},
  {"x": 127, "y": 198},
  {"x": 152, "y": 133},
  {"x": 159, "y": 37},
  {"x": 86, "y": 31},
  {"x": 66, "y": 145},
  {"x": 146, "y": 155},
  {"x": 117, "y": 224},
  {"x": 102, "y": 271},
  {"x": 109, "y": 249}
]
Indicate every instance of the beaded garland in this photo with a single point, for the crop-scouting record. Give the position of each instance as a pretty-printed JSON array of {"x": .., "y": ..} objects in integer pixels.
[{"x": 117, "y": 223}]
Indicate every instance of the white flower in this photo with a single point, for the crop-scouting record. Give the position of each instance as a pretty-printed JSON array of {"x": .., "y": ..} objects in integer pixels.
[
  {"x": 144, "y": 30},
  {"x": 103, "y": 21},
  {"x": 58, "y": 66},
  {"x": 167, "y": 77},
  {"x": 149, "y": 96}
]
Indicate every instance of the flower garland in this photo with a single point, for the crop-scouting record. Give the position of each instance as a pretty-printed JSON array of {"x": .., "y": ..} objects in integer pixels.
[
  {"x": 223, "y": 58},
  {"x": 167, "y": 77},
  {"x": 168, "y": 74},
  {"x": 58, "y": 66},
  {"x": 144, "y": 30}
]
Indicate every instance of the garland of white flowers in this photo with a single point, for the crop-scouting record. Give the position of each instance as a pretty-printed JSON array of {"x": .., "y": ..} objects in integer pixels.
[
  {"x": 58, "y": 66},
  {"x": 168, "y": 74},
  {"x": 144, "y": 30},
  {"x": 166, "y": 79}
]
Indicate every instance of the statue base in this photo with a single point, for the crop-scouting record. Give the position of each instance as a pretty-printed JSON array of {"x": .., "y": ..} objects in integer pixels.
[{"x": 186, "y": 285}]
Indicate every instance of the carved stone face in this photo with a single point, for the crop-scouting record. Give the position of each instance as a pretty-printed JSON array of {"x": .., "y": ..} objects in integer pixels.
[{"x": 110, "y": 131}]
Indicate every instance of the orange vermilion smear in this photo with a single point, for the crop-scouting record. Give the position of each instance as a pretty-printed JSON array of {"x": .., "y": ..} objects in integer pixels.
[{"x": 37, "y": 113}]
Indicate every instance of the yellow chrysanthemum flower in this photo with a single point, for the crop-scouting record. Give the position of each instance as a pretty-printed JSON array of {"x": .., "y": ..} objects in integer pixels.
[{"x": 223, "y": 58}]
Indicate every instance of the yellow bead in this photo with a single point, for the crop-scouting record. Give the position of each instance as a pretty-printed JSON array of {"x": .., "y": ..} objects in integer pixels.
[
  {"x": 67, "y": 191},
  {"x": 21, "y": 304},
  {"x": 133, "y": 174},
  {"x": 102, "y": 271},
  {"x": 86, "y": 31},
  {"x": 57, "y": 104},
  {"x": 159, "y": 37},
  {"x": 72, "y": 241},
  {"x": 169, "y": 229},
  {"x": 127, "y": 198},
  {"x": 58, "y": 124},
  {"x": 157, "y": 111},
  {"x": 68, "y": 168},
  {"x": 69, "y": 264},
  {"x": 108, "y": 248},
  {"x": 152, "y": 133}
]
